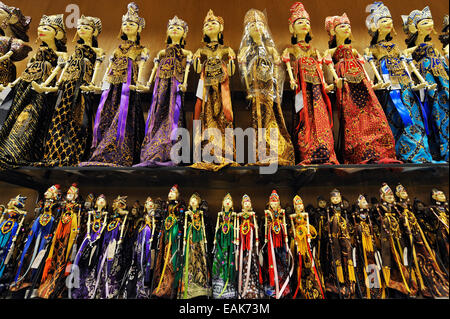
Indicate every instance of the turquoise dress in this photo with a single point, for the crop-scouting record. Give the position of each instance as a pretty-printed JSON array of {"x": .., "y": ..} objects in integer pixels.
[
  {"x": 434, "y": 70},
  {"x": 402, "y": 105}
]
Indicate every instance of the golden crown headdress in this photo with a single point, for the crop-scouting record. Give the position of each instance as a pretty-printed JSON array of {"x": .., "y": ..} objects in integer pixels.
[
  {"x": 55, "y": 21},
  {"x": 94, "y": 22},
  {"x": 332, "y": 22},
  {"x": 133, "y": 15},
  {"x": 415, "y": 17},
  {"x": 254, "y": 15},
  {"x": 377, "y": 12},
  {"x": 211, "y": 17},
  {"x": 179, "y": 22},
  {"x": 298, "y": 12}
]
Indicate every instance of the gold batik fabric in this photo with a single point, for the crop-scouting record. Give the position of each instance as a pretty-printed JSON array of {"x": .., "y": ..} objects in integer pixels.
[
  {"x": 119, "y": 66},
  {"x": 216, "y": 112}
]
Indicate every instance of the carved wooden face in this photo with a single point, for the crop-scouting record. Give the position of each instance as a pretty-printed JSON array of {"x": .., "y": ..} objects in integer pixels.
[
  {"x": 388, "y": 198},
  {"x": 46, "y": 33},
  {"x": 193, "y": 202},
  {"x": 440, "y": 197},
  {"x": 212, "y": 28},
  {"x": 363, "y": 204},
  {"x": 343, "y": 31},
  {"x": 4, "y": 16},
  {"x": 425, "y": 26},
  {"x": 130, "y": 29},
  {"x": 149, "y": 204},
  {"x": 256, "y": 29},
  {"x": 85, "y": 32},
  {"x": 175, "y": 32},
  {"x": 336, "y": 199},
  {"x": 100, "y": 203},
  {"x": 227, "y": 202},
  {"x": 173, "y": 194},
  {"x": 385, "y": 26},
  {"x": 274, "y": 204},
  {"x": 301, "y": 27},
  {"x": 299, "y": 207},
  {"x": 247, "y": 205}
]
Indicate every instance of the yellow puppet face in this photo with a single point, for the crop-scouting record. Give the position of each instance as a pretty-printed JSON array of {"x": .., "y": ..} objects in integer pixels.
[
  {"x": 336, "y": 199},
  {"x": 256, "y": 28},
  {"x": 130, "y": 28},
  {"x": 85, "y": 32},
  {"x": 343, "y": 31},
  {"x": 175, "y": 32},
  {"x": 3, "y": 16},
  {"x": 46, "y": 33},
  {"x": 193, "y": 202},
  {"x": 425, "y": 26},
  {"x": 389, "y": 198},
  {"x": 149, "y": 204},
  {"x": 173, "y": 194},
  {"x": 440, "y": 197},
  {"x": 227, "y": 202},
  {"x": 301, "y": 26},
  {"x": 385, "y": 25},
  {"x": 212, "y": 28},
  {"x": 101, "y": 202}
]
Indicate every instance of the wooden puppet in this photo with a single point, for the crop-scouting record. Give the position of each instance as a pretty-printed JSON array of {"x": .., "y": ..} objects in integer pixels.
[
  {"x": 314, "y": 133},
  {"x": 119, "y": 121},
  {"x": 215, "y": 63},
  {"x": 365, "y": 135},
  {"x": 170, "y": 73},
  {"x": 402, "y": 105},
  {"x": 419, "y": 26},
  {"x": 438, "y": 211},
  {"x": 262, "y": 74},
  {"x": 22, "y": 133}
]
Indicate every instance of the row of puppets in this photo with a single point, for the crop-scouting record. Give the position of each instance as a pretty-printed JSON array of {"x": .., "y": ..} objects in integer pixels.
[
  {"x": 394, "y": 248},
  {"x": 48, "y": 117}
]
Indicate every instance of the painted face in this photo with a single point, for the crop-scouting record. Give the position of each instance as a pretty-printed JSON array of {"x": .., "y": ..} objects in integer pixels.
[
  {"x": 425, "y": 26},
  {"x": 211, "y": 28},
  {"x": 385, "y": 25},
  {"x": 343, "y": 31},
  {"x": 274, "y": 205},
  {"x": 149, "y": 205},
  {"x": 173, "y": 194},
  {"x": 363, "y": 204},
  {"x": 300, "y": 207},
  {"x": 85, "y": 32},
  {"x": 256, "y": 29},
  {"x": 130, "y": 28},
  {"x": 322, "y": 203},
  {"x": 389, "y": 198},
  {"x": 49, "y": 194},
  {"x": 175, "y": 32},
  {"x": 440, "y": 197},
  {"x": 301, "y": 26},
  {"x": 101, "y": 202},
  {"x": 227, "y": 203},
  {"x": 3, "y": 16},
  {"x": 12, "y": 203},
  {"x": 247, "y": 205},
  {"x": 46, "y": 33},
  {"x": 70, "y": 196},
  {"x": 403, "y": 194},
  {"x": 193, "y": 202},
  {"x": 337, "y": 199}
]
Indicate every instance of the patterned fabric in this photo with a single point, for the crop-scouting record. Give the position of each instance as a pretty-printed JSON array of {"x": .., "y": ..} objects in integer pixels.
[
  {"x": 435, "y": 71},
  {"x": 67, "y": 136},
  {"x": 266, "y": 108},
  {"x": 21, "y": 136},
  {"x": 110, "y": 151},
  {"x": 216, "y": 112},
  {"x": 366, "y": 134},
  {"x": 411, "y": 142},
  {"x": 7, "y": 68},
  {"x": 315, "y": 141},
  {"x": 166, "y": 113}
]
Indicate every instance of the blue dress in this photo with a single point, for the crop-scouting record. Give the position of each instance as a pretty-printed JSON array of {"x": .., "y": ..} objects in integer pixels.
[
  {"x": 434, "y": 70},
  {"x": 402, "y": 106}
]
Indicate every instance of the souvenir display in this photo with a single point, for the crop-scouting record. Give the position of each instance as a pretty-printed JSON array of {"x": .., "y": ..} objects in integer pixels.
[
  {"x": 397, "y": 271},
  {"x": 224, "y": 264},
  {"x": 84, "y": 265},
  {"x": 367, "y": 256},
  {"x": 54, "y": 273},
  {"x": 365, "y": 135},
  {"x": 278, "y": 259},
  {"x": 403, "y": 107},
  {"x": 215, "y": 63},
  {"x": 166, "y": 113},
  {"x": 432, "y": 281},
  {"x": 309, "y": 277},
  {"x": 263, "y": 77},
  {"x": 314, "y": 133},
  {"x": 249, "y": 269},
  {"x": 13, "y": 35},
  {"x": 22, "y": 133},
  {"x": 110, "y": 264},
  {"x": 38, "y": 239},
  {"x": 69, "y": 130},
  {"x": 119, "y": 122},
  {"x": 10, "y": 226},
  {"x": 340, "y": 278},
  {"x": 195, "y": 271},
  {"x": 418, "y": 26},
  {"x": 167, "y": 275}
]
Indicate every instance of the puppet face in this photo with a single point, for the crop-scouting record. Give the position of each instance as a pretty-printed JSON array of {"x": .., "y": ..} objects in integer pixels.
[
  {"x": 212, "y": 28},
  {"x": 46, "y": 33},
  {"x": 425, "y": 26},
  {"x": 336, "y": 199},
  {"x": 385, "y": 26},
  {"x": 4, "y": 16},
  {"x": 440, "y": 197},
  {"x": 343, "y": 31},
  {"x": 194, "y": 202},
  {"x": 101, "y": 202},
  {"x": 149, "y": 204},
  {"x": 247, "y": 205},
  {"x": 175, "y": 32},
  {"x": 130, "y": 29},
  {"x": 300, "y": 207},
  {"x": 256, "y": 29},
  {"x": 362, "y": 203},
  {"x": 388, "y": 198},
  {"x": 85, "y": 32},
  {"x": 301, "y": 27},
  {"x": 274, "y": 205},
  {"x": 173, "y": 194}
]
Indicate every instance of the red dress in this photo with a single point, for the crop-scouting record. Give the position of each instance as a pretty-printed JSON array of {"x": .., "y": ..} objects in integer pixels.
[
  {"x": 314, "y": 131},
  {"x": 367, "y": 137}
]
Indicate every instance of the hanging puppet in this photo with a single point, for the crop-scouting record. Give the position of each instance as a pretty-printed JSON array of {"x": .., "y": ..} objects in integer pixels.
[
  {"x": 166, "y": 114},
  {"x": 314, "y": 133},
  {"x": 438, "y": 211},
  {"x": 224, "y": 264},
  {"x": 263, "y": 77},
  {"x": 215, "y": 63},
  {"x": 119, "y": 121},
  {"x": 365, "y": 135},
  {"x": 22, "y": 133},
  {"x": 249, "y": 270},
  {"x": 167, "y": 274},
  {"x": 404, "y": 110},
  {"x": 195, "y": 271},
  {"x": 418, "y": 26},
  {"x": 309, "y": 277},
  {"x": 277, "y": 255},
  {"x": 70, "y": 127}
]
